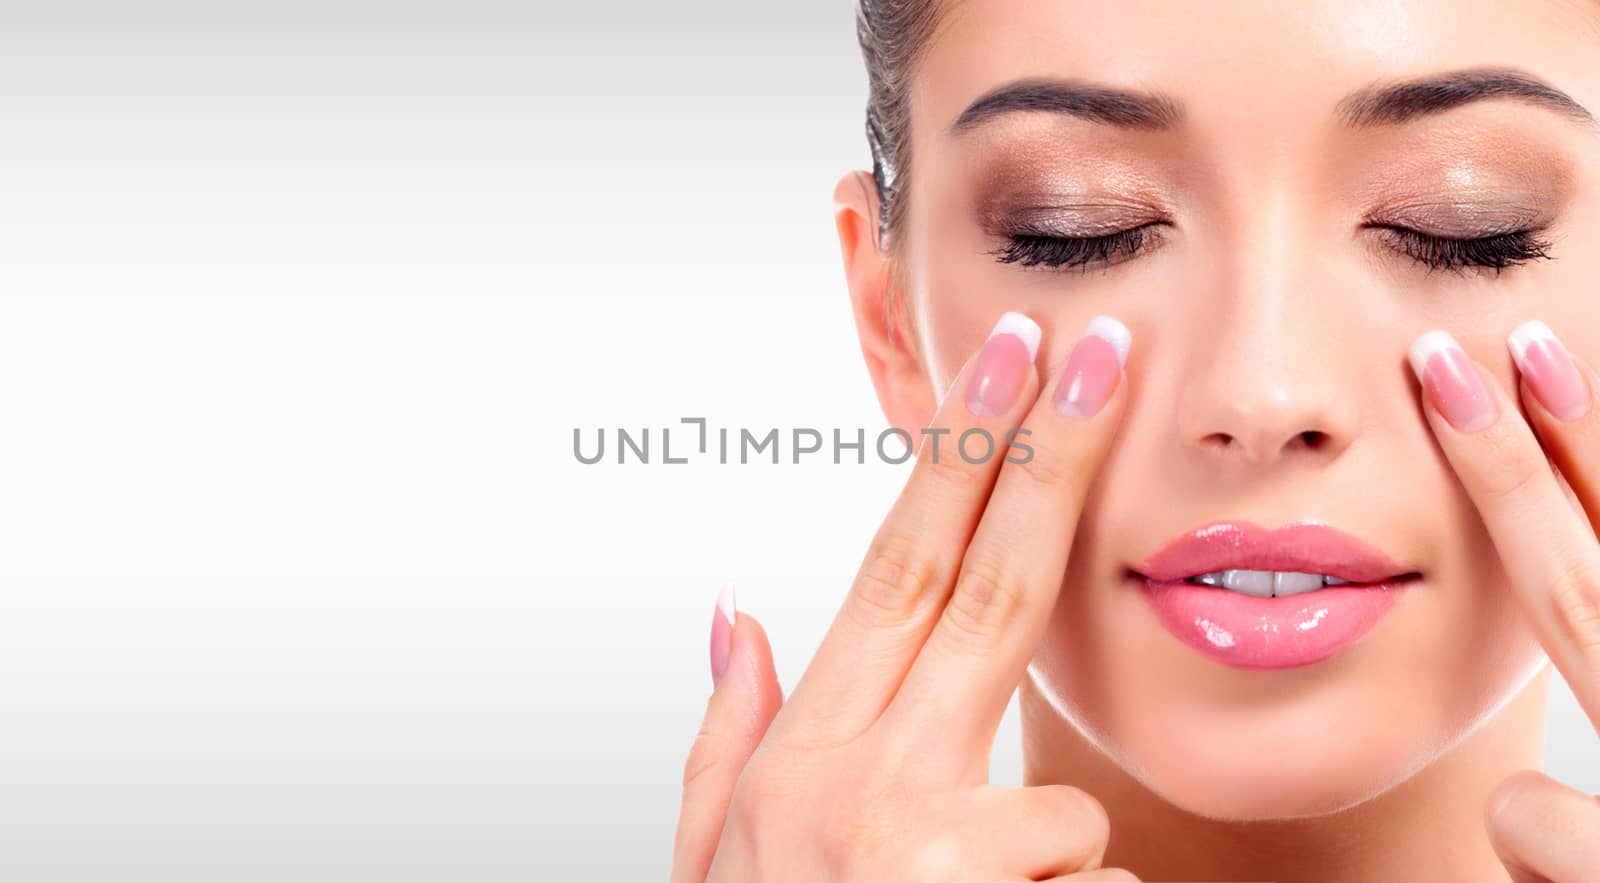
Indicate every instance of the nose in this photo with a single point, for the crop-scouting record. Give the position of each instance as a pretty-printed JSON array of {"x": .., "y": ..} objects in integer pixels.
[{"x": 1266, "y": 379}]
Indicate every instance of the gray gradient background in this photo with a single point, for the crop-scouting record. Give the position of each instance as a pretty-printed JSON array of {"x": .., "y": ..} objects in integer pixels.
[{"x": 298, "y": 305}]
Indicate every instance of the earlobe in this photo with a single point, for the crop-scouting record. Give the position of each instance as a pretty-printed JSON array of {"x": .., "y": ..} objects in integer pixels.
[{"x": 902, "y": 386}]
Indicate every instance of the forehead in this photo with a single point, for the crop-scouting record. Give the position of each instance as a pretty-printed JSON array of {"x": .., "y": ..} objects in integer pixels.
[{"x": 1245, "y": 61}]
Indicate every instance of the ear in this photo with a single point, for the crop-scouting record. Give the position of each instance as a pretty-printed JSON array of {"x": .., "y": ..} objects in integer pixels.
[{"x": 904, "y": 393}]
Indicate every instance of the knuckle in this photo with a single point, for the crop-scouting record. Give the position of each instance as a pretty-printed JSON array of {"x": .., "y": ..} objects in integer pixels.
[
  {"x": 1048, "y": 467},
  {"x": 946, "y": 467},
  {"x": 893, "y": 581},
  {"x": 851, "y": 833},
  {"x": 704, "y": 754},
  {"x": 1513, "y": 467},
  {"x": 984, "y": 600},
  {"x": 761, "y": 805},
  {"x": 1576, "y": 595},
  {"x": 1078, "y": 808}
]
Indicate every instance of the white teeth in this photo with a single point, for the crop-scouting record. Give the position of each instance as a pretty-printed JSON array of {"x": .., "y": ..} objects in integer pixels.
[
  {"x": 1250, "y": 582},
  {"x": 1295, "y": 583},
  {"x": 1267, "y": 583}
]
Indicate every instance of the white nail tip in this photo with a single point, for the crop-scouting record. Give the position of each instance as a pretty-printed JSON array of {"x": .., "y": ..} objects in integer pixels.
[
  {"x": 1527, "y": 334},
  {"x": 1114, "y": 333},
  {"x": 1023, "y": 327},
  {"x": 1423, "y": 348},
  {"x": 725, "y": 604}
]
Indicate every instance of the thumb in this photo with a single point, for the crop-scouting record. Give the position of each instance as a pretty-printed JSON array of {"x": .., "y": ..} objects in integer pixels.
[
  {"x": 1543, "y": 830},
  {"x": 743, "y": 702}
]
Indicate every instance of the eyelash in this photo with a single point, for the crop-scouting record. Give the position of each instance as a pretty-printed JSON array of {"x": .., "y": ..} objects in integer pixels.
[
  {"x": 1497, "y": 253},
  {"x": 1074, "y": 252}
]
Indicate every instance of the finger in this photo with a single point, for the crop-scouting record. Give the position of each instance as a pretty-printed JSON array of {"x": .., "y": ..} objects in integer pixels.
[
  {"x": 911, "y": 562},
  {"x": 1558, "y": 389},
  {"x": 1099, "y": 874},
  {"x": 1011, "y": 574},
  {"x": 1041, "y": 831},
  {"x": 743, "y": 703},
  {"x": 1544, "y": 831},
  {"x": 1549, "y": 550}
]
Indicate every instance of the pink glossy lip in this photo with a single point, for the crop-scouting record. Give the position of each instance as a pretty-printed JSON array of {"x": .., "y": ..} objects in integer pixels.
[{"x": 1280, "y": 632}]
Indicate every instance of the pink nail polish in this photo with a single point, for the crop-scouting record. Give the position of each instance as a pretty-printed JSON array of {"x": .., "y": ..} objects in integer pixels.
[
  {"x": 722, "y": 634},
  {"x": 1002, "y": 366},
  {"x": 1092, "y": 370},
  {"x": 1453, "y": 384},
  {"x": 1549, "y": 370}
]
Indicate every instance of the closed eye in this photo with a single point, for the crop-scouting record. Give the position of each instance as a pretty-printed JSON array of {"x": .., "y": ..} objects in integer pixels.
[
  {"x": 1032, "y": 248},
  {"x": 1497, "y": 252}
]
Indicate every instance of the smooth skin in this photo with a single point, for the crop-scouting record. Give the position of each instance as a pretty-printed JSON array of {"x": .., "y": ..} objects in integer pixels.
[{"x": 876, "y": 768}]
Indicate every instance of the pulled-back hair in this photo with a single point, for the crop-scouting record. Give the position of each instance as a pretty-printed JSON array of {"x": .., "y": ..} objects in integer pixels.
[{"x": 892, "y": 34}]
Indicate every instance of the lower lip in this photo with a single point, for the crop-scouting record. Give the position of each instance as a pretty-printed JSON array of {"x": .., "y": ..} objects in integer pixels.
[{"x": 1280, "y": 632}]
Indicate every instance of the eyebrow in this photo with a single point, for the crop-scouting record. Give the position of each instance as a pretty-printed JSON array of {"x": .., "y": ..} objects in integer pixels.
[
  {"x": 1378, "y": 105},
  {"x": 1122, "y": 108},
  {"x": 1407, "y": 100}
]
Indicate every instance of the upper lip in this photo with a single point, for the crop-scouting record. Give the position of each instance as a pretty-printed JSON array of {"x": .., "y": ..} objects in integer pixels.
[{"x": 1306, "y": 547}]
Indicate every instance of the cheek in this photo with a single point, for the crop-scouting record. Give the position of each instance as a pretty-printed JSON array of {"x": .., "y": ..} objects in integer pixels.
[
  {"x": 958, "y": 298},
  {"x": 1564, "y": 292},
  {"x": 956, "y": 306}
]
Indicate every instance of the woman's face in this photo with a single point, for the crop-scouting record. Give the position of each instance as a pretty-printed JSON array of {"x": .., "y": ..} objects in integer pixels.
[{"x": 1287, "y": 252}]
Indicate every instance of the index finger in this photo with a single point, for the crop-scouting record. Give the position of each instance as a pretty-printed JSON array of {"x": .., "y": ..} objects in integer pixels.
[
  {"x": 1546, "y": 543},
  {"x": 1014, "y": 566},
  {"x": 909, "y": 566}
]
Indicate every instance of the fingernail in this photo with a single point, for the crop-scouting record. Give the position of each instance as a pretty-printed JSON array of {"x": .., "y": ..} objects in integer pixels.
[
  {"x": 1003, "y": 365},
  {"x": 1455, "y": 387},
  {"x": 1092, "y": 370},
  {"x": 722, "y": 634},
  {"x": 1549, "y": 370}
]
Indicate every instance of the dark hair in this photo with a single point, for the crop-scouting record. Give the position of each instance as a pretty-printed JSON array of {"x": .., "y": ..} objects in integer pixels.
[{"x": 892, "y": 34}]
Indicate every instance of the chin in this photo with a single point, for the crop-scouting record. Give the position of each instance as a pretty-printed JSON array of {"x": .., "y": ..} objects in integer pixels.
[
  {"x": 1308, "y": 753},
  {"x": 1274, "y": 766}
]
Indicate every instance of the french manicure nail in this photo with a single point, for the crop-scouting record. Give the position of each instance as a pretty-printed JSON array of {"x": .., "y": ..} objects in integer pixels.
[
  {"x": 1549, "y": 370},
  {"x": 722, "y": 634},
  {"x": 1002, "y": 366},
  {"x": 1093, "y": 368},
  {"x": 1454, "y": 385}
]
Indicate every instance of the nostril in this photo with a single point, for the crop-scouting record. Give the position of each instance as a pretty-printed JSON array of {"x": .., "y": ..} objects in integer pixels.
[{"x": 1313, "y": 438}]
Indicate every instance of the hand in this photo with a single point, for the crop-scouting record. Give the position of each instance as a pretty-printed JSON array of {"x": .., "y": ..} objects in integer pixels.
[
  {"x": 1542, "y": 830},
  {"x": 877, "y": 766}
]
